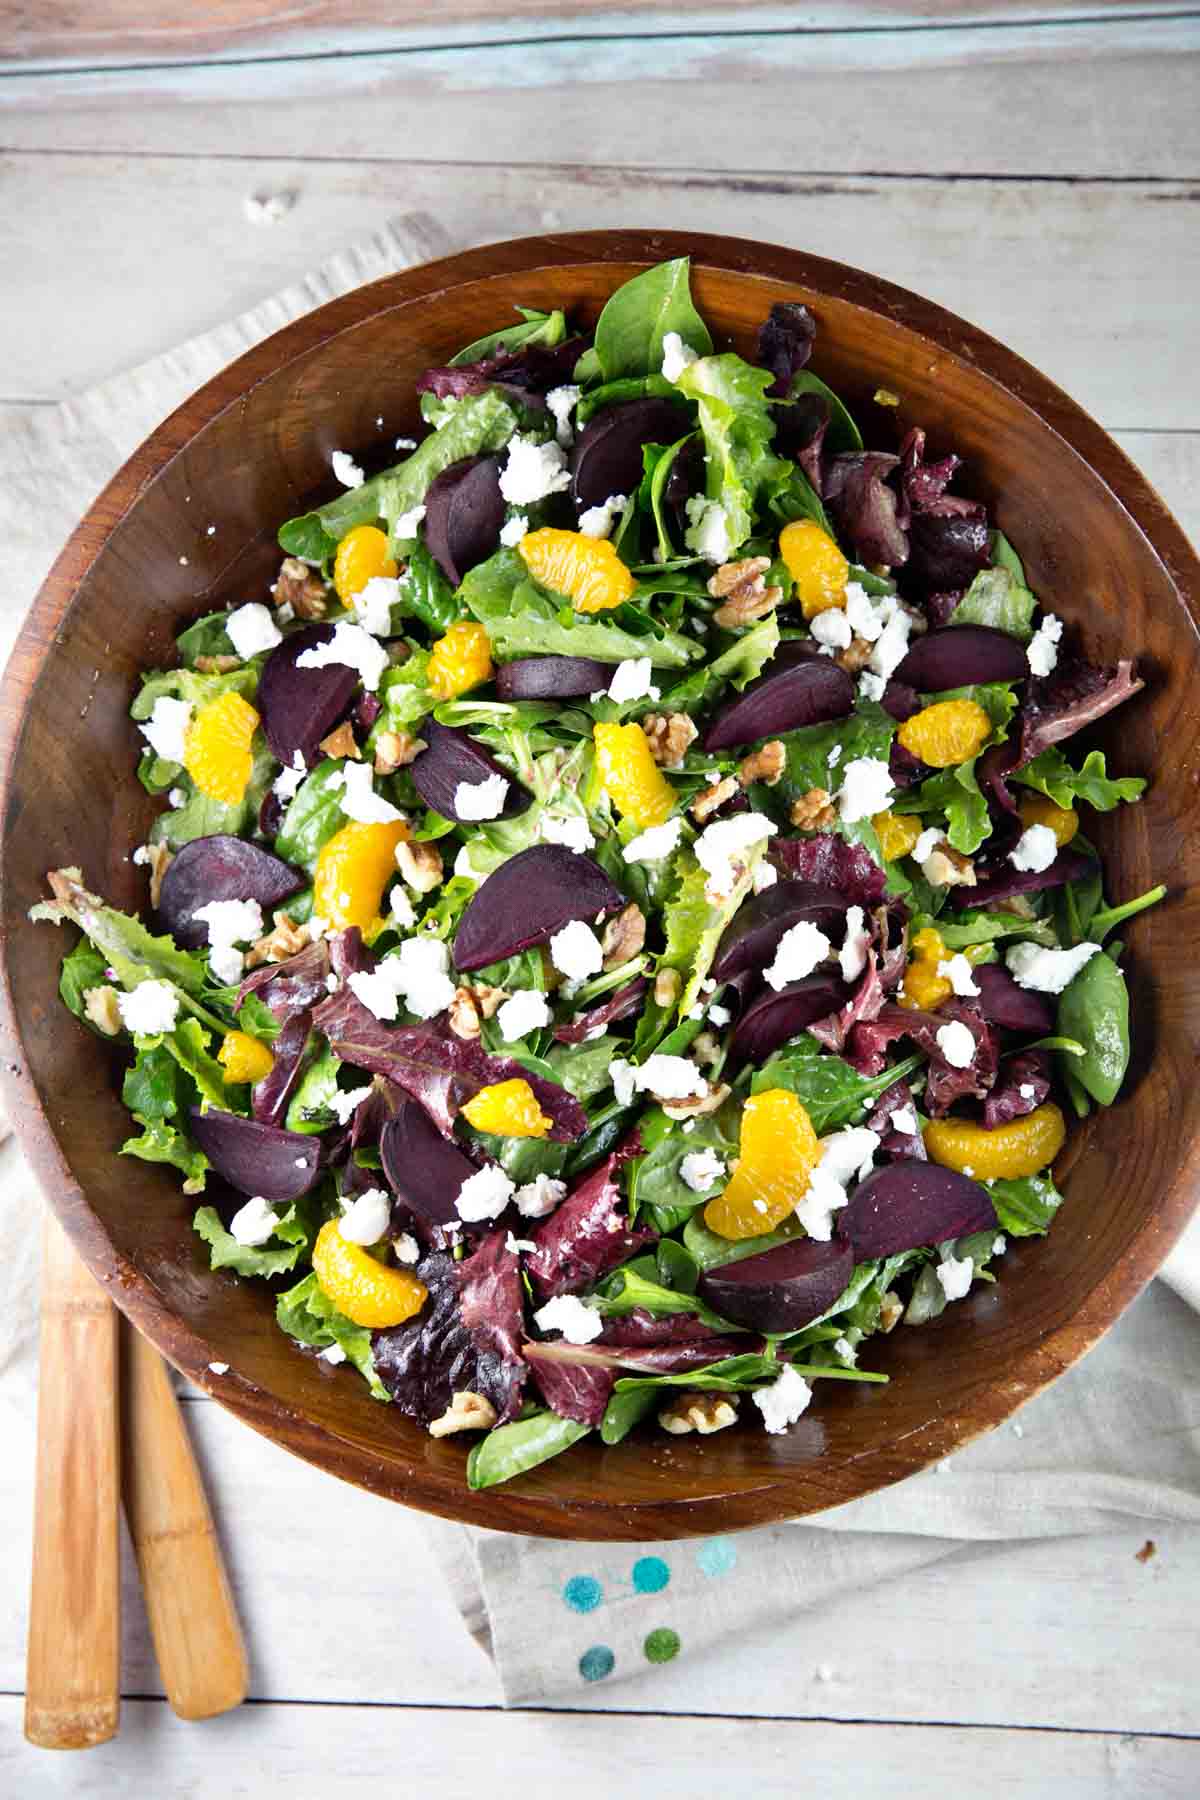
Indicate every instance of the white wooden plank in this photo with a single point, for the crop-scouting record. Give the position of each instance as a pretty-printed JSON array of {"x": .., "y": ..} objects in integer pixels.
[{"x": 168, "y": 252}]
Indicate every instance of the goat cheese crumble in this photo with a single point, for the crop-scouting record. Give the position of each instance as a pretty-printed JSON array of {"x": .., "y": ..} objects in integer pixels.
[
  {"x": 866, "y": 789},
  {"x": 957, "y": 971},
  {"x": 956, "y": 1043},
  {"x": 366, "y": 1219},
  {"x": 598, "y": 521},
  {"x": 251, "y": 629},
  {"x": 699, "y": 1169},
  {"x": 521, "y": 1013},
  {"x": 346, "y": 470},
  {"x": 475, "y": 800},
  {"x": 537, "y": 1198},
  {"x": 360, "y": 802},
  {"x": 350, "y": 647},
  {"x": 677, "y": 356},
  {"x": 783, "y": 1400},
  {"x": 654, "y": 844},
  {"x": 533, "y": 471},
  {"x": 1042, "y": 650},
  {"x": 484, "y": 1195},
  {"x": 845, "y": 1156},
  {"x": 631, "y": 681},
  {"x": 253, "y": 1223},
  {"x": 1034, "y": 850},
  {"x": 149, "y": 1008},
  {"x": 1048, "y": 971},
  {"x": 799, "y": 951},
  {"x": 166, "y": 729},
  {"x": 575, "y": 951},
  {"x": 954, "y": 1276},
  {"x": 561, "y": 403},
  {"x": 578, "y": 1322}
]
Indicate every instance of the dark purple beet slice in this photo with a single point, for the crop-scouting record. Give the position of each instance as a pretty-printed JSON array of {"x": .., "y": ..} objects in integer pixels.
[
  {"x": 1001, "y": 883},
  {"x": 776, "y": 1017},
  {"x": 960, "y": 655},
  {"x": 551, "y": 677},
  {"x": 800, "y": 687},
  {"x": 464, "y": 510},
  {"x": 424, "y": 1169},
  {"x": 1004, "y": 1002},
  {"x": 752, "y": 937},
  {"x": 607, "y": 458},
  {"x": 299, "y": 707},
  {"x": 219, "y": 868},
  {"x": 912, "y": 1204},
  {"x": 782, "y": 1289},
  {"x": 258, "y": 1159},
  {"x": 948, "y": 548},
  {"x": 529, "y": 898},
  {"x": 453, "y": 756}
]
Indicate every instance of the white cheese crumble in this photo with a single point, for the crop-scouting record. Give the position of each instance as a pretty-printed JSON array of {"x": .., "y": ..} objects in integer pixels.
[
  {"x": 866, "y": 788},
  {"x": 631, "y": 681},
  {"x": 516, "y": 1244},
  {"x": 719, "y": 1016},
  {"x": 927, "y": 843},
  {"x": 373, "y": 604},
  {"x": 406, "y": 525},
  {"x": 799, "y": 951},
  {"x": 957, "y": 971},
  {"x": 150, "y": 1007},
  {"x": 344, "y": 1106},
  {"x": 835, "y": 756},
  {"x": 654, "y": 844},
  {"x": 700, "y": 1168},
  {"x": 852, "y": 957},
  {"x": 288, "y": 781},
  {"x": 561, "y": 403},
  {"x": 676, "y": 355},
  {"x": 360, "y": 801},
  {"x": 719, "y": 849},
  {"x": 177, "y": 797},
  {"x": 229, "y": 922},
  {"x": 845, "y": 1352},
  {"x": 575, "y": 951},
  {"x": 166, "y": 728},
  {"x": 956, "y": 1043},
  {"x": 417, "y": 973},
  {"x": 623, "y": 1076},
  {"x": 484, "y": 1195},
  {"x": 598, "y": 521},
  {"x": 403, "y": 443},
  {"x": 1027, "y": 1091},
  {"x": 533, "y": 471},
  {"x": 480, "y": 799},
  {"x": 251, "y": 628},
  {"x": 513, "y": 530},
  {"x": 521, "y": 1013},
  {"x": 954, "y": 1274},
  {"x": 1042, "y": 651},
  {"x": 783, "y": 1400},
  {"x": 870, "y": 686},
  {"x": 904, "y": 1120},
  {"x": 670, "y": 1077},
  {"x": 844, "y": 1155},
  {"x": 253, "y": 1223},
  {"x": 333, "y": 1354},
  {"x": 1034, "y": 850},
  {"x": 999, "y": 1245},
  {"x": 765, "y": 876},
  {"x": 351, "y": 647},
  {"x": 406, "y": 1249},
  {"x": 570, "y": 829},
  {"x": 346, "y": 470},
  {"x": 365, "y": 1219},
  {"x": 831, "y": 629},
  {"x": 567, "y": 1313},
  {"x": 708, "y": 532},
  {"x": 536, "y": 1198},
  {"x": 1049, "y": 971},
  {"x": 400, "y": 906}
]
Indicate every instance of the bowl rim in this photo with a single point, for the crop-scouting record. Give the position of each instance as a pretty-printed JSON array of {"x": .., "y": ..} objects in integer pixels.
[{"x": 1041, "y": 1361}]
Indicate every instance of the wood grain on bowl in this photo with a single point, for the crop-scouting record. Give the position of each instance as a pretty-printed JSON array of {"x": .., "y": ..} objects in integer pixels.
[{"x": 250, "y": 449}]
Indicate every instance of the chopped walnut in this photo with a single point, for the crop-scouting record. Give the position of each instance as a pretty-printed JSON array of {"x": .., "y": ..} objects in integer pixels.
[
  {"x": 667, "y": 984},
  {"x": 710, "y": 799},
  {"x": 470, "y": 1005},
  {"x": 217, "y": 665},
  {"x": 696, "y": 1105},
  {"x": 668, "y": 735},
  {"x": 420, "y": 865},
  {"x": 302, "y": 589},
  {"x": 704, "y": 1413},
  {"x": 947, "y": 867},
  {"x": 813, "y": 811},
  {"x": 855, "y": 656},
  {"x": 742, "y": 586},
  {"x": 341, "y": 742},
  {"x": 705, "y": 1049},
  {"x": 101, "y": 1010},
  {"x": 395, "y": 750},
  {"x": 891, "y": 1311},
  {"x": 159, "y": 859},
  {"x": 767, "y": 763},
  {"x": 284, "y": 941},
  {"x": 624, "y": 936},
  {"x": 467, "y": 1412}
]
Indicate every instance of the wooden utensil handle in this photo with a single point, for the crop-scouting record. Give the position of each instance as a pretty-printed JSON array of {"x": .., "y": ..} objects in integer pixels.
[
  {"x": 197, "y": 1639},
  {"x": 72, "y": 1688}
]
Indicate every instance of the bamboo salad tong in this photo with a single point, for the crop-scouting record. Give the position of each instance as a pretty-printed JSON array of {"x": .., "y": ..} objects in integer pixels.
[{"x": 109, "y": 1429}]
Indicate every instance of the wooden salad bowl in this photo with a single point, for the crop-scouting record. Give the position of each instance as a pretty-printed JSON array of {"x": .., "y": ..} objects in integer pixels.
[{"x": 251, "y": 449}]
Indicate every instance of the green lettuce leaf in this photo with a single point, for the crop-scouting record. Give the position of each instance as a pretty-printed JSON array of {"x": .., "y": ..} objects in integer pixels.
[
  {"x": 82, "y": 968},
  {"x": 291, "y": 1239},
  {"x": 309, "y": 1109},
  {"x": 629, "y": 333},
  {"x": 1051, "y": 774},
  {"x": 693, "y": 924},
  {"x": 546, "y": 328},
  {"x": 427, "y": 595},
  {"x": 745, "y": 658},
  {"x": 305, "y": 1314},
  {"x": 522, "y": 620},
  {"x": 126, "y": 946},
  {"x": 313, "y": 816},
  {"x": 201, "y": 817},
  {"x": 199, "y": 690},
  {"x": 997, "y": 599},
  {"x": 738, "y": 426},
  {"x": 160, "y": 1142}
]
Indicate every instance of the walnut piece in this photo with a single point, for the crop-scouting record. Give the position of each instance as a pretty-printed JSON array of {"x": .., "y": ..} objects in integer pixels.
[
  {"x": 669, "y": 735},
  {"x": 420, "y": 865},
  {"x": 696, "y": 1105},
  {"x": 705, "y": 1049},
  {"x": 704, "y": 1413},
  {"x": 470, "y": 1005},
  {"x": 623, "y": 936},
  {"x": 467, "y": 1412},
  {"x": 101, "y": 1010},
  {"x": 710, "y": 799},
  {"x": 813, "y": 811},
  {"x": 159, "y": 860},
  {"x": 742, "y": 586},
  {"x": 855, "y": 656},
  {"x": 767, "y": 764},
  {"x": 947, "y": 867},
  {"x": 284, "y": 941},
  {"x": 395, "y": 750},
  {"x": 891, "y": 1311},
  {"x": 341, "y": 742},
  {"x": 302, "y": 589},
  {"x": 667, "y": 984},
  {"x": 217, "y": 665}
]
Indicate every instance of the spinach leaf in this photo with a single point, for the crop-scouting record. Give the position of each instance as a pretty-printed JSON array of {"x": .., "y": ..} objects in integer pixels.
[
  {"x": 658, "y": 461},
  {"x": 624, "y": 1411},
  {"x": 312, "y": 818},
  {"x": 832, "y": 1093},
  {"x": 1005, "y": 557},
  {"x": 83, "y": 968},
  {"x": 206, "y": 637},
  {"x": 628, "y": 1289},
  {"x": 535, "y": 328},
  {"x": 305, "y": 1313},
  {"x": 516, "y": 1448},
  {"x": 710, "y": 1251},
  {"x": 635, "y": 320},
  {"x": 292, "y": 1239},
  {"x": 841, "y": 434},
  {"x": 676, "y": 1269},
  {"x": 160, "y": 1142},
  {"x": 309, "y": 1109},
  {"x": 1094, "y": 1010},
  {"x": 616, "y": 393},
  {"x": 654, "y": 1180},
  {"x": 521, "y": 620},
  {"x": 427, "y": 595},
  {"x": 1109, "y": 917},
  {"x": 1051, "y": 774},
  {"x": 868, "y": 732},
  {"x": 1025, "y": 1207},
  {"x": 738, "y": 426},
  {"x": 583, "y": 1069},
  {"x": 995, "y": 598}
]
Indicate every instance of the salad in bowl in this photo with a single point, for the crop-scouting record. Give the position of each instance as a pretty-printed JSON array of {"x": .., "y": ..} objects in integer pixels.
[{"x": 621, "y": 936}]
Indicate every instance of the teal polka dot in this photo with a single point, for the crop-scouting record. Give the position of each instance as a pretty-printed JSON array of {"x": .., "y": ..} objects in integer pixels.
[
  {"x": 583, "y": 1594},
  {"x": 596, "y": 1663},
  {"x": 650, "y": 1575},
  {"x": 719, "y": 1557},
  {"x": 661, "y": 1645}
]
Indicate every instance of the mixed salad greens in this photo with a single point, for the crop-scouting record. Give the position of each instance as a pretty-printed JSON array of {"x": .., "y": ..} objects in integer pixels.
[{"x": 621, "y": 932}]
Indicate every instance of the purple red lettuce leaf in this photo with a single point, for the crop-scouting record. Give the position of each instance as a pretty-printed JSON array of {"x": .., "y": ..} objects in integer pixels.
[
  {"x": 1001, "y": 881},
  {"x": 620, "y": 1005},
  {"x": 869, "y": 515},
  {"x": 886, "y": 956},
  {"x": 829, "y": 861},
  {"x": 1031, "y": 1069},
  {"x": 924, "y": 484},
  {"x": 900, "y": 1146},
  {"x": 785, "y": 341},
  {"x": 577, "y": 1380},
  {"x": 1076, "y": 694},
  {"x": 533, "y": 370},
  {"x": 868, "y": 1045},
  {"x": 588, "y": 1234},
  {"x": 289, "y": 990}
]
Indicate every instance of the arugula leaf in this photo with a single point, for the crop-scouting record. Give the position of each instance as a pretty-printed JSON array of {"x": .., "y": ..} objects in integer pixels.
[
  {"x": 635, "y": 320},
  {"x": 1051, "y": 774},
  {"x": 738, "y": 1374},
  {"x": 163, "y": 1143},
  {"x": 693, "y": 924},
  {"x": 292, "y": 1239},
  {"x": 314, "y": 814},
  {"x": 519, "y": 1446},
  {"x": 522, "y": 620},
  {"x": 738, "y": 426},
  {"x": 1025, "y": 1207},
  {"x": 832, "y": 1093},
  {"x": 995, "y": 598},
  {"x": 126, "y": 946},
  {"x": 186, "y": 684},
  {"x": 305, "y": 1314},
  {"x": 535, "y": 328}
]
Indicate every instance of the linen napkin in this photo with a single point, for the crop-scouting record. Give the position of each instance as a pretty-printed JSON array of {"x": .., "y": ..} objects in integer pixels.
[{"x": 1114, "y": 1444}]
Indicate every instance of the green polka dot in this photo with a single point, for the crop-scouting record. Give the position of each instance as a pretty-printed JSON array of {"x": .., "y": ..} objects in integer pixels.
[
  {"x": 596, "y": 1663},
  {"x": 661, "y": 1645}
]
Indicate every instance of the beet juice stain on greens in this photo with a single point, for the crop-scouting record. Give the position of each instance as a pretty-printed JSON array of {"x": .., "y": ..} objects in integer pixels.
[{"x": 622, "y": 930}]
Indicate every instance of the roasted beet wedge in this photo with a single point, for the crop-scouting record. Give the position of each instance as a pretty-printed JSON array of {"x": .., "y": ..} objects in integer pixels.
[
  {"x": 529, "y": 898},
  {"x": 800, "y": 687},
  {"x": 776, "y": 1017},
  {"x": 551, "y": 677},
  {"x": 752, "y": 937},
  {"x": 1003, "y": 1002},
  {"x": 452, "y": 757},
  {"x": 782, "y": 1289},
  {"x": 960, "y": 655},
  {"x": 912, "y": 1204},
  {"x": 424, "y": 1169},
  {"x": 299, "y": 707},
  {"x": 258, "y": 1159},
  {"x": 219, "y": 868},
  {"x": 464, "y": 510},
  {"x": 607, "y": 458}
]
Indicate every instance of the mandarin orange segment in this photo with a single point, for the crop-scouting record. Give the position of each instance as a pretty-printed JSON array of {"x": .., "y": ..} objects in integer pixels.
[
  {"x": 587, "y": 570},
  {"x": 361, "y": 555},
  {"x": 630, "y": 776},
  {"x": 923, "y": 988},
  {"x": 460, "y": 660},
  {"x": 244, "y": 1058},
  {"x": 947, "y": 733},
  {"x": 816, "y": 565},
  {"x": 897, "y": 833},
  {"x": 1022, "y": 1147},
  {"x": 777, "y": 1155},
  {"x": 217, "y": 748},
  {"x": 1039, "y": 809},
  {"x": 353, "y": 869},
  {"x": 366, "y": 1291},
  {"x": 508, "y": 1109}
]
